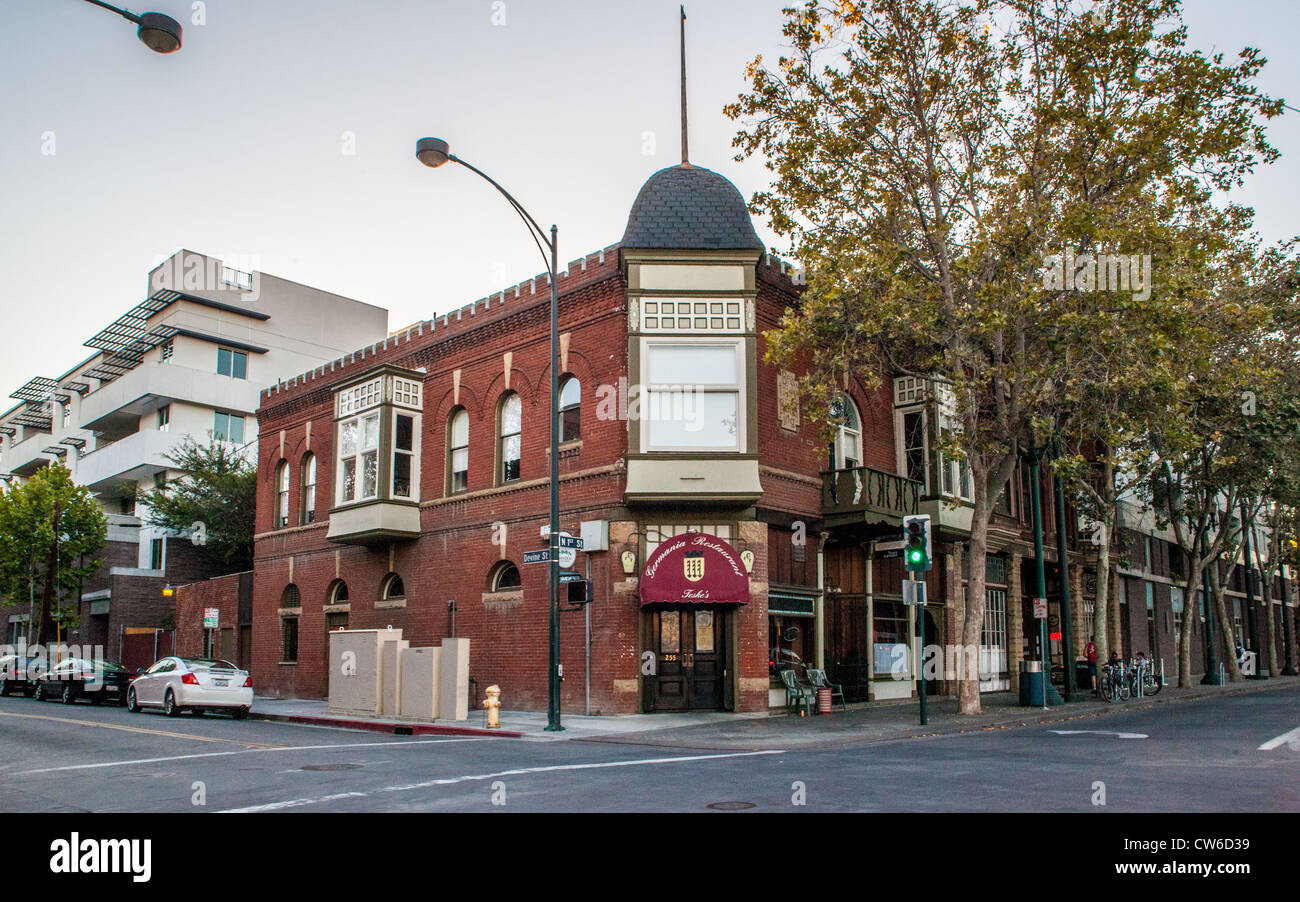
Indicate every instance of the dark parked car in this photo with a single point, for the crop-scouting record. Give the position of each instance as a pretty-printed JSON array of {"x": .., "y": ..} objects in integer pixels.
[
  {"x": 18, "y": 674},
  {"x": 74, "y": 678}
]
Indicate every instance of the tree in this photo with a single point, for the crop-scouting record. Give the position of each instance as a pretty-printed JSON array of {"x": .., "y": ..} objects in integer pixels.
[
  {"x": 929, "y": 157},
  {"x": 48, "y": 527},
  {"x": 214, "y": 501}
]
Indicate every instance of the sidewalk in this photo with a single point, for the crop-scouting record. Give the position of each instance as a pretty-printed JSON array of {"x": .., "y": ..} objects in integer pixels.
[{"x": 860, "y": 724}]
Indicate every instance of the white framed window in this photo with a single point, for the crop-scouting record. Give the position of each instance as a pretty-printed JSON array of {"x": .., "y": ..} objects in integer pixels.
[
  {"x": 692, "y": 315},
  {"x": 956, "y": 474},
  {"x": 694, "y": 398},
  {"x": 913, "y": 444},
  {"x": 358, "y": 445},
  {"x": 309, "y": 489},
  {"x": 847, "y": 452},
  {"x": 510, "y": 415},
  {"x": 282, "y": 495},
  {"x": 570, "y": 409},
  {"x": 406, "y": 456},
  {"x": 228, "y": 427},
  {"x": 232, "y": 363},
  {"x": 458, "y": 451}
]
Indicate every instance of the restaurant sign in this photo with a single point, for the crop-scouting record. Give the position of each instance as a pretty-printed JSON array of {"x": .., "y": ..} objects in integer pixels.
[{"x": 694, "y": 568}]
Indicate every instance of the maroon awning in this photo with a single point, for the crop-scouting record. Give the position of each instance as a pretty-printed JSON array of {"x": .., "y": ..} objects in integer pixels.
[{"x": 696, "y": 569}]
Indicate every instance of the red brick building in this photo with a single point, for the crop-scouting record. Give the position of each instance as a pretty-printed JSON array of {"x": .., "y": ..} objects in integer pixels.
[{"x": 402, "y": 485}]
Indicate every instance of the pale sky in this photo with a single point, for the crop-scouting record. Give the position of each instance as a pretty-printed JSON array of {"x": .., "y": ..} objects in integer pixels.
[{"x": 236, "y": 146}]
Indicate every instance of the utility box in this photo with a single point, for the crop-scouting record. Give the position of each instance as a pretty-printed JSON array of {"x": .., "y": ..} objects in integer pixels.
[
  {"x": 453, "y": 691},
  {"x": 421, "y": 674},
  {"x": 356, "y": 670}
]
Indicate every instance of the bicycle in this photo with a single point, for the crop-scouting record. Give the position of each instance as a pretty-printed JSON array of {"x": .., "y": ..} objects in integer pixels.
[
  {"x": 1143, "y": 674},
  {"x": 1113, "y": 681}
]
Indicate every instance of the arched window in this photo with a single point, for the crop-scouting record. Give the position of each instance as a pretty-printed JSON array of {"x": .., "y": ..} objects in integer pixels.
[
  {"x": 504, "y": 577},
  {"x": 570, "y": 409},
  {"x": 509, "y": 426},
  {"x": 309, "y": 489},
  {"x": 458, "y": 451},
  {"x": 847, "y": 451},
  {"x": 282, "y": 495},
  {"x": 338, "y": 593},
  {"x": 290, "y": 598},
  {"x": 393, "y": 588}
]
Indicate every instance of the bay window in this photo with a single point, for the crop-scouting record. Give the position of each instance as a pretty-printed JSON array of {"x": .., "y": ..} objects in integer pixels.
[
  {"x": 377, "y": 454},
  {"x": 693, "y": 399}
]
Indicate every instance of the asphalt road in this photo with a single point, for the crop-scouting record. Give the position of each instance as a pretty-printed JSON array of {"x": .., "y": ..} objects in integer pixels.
[{"x": 1195, "y": 756}]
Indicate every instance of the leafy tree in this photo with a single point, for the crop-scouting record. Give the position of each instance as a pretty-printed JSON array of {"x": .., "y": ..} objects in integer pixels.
[
  {"x": 48, "y": 528},
  {"x": 214, "y": 501},
  {"x": 928, "y": 157}
]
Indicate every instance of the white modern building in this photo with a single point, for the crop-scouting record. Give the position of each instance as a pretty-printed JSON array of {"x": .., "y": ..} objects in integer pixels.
[{"x": 189, "y": 360}]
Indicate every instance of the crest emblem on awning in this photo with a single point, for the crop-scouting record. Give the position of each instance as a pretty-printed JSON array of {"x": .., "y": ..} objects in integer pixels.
[{"x": 693, "y": 565}]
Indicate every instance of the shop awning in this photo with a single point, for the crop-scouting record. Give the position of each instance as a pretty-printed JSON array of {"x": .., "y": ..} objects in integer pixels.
[{"x": 694, "y": 569}]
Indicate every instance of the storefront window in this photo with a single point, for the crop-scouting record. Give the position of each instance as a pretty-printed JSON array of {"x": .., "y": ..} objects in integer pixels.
[
  {"x": 790, "y": 645},
  {"x": 889, "y": 627}
]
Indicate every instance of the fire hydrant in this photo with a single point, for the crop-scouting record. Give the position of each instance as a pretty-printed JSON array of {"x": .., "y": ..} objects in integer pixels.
[{"x": 492, "y": 703}]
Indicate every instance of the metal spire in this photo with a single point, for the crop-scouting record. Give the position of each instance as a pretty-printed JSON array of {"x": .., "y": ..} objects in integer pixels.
[{"x": 686, "y": 158}]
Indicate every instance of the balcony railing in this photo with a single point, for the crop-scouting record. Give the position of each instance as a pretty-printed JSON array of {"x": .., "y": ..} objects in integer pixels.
[{"x": 863, "y": 490}]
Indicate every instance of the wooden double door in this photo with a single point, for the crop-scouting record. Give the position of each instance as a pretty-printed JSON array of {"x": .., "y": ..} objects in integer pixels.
[{"x": 690, "y": 649}]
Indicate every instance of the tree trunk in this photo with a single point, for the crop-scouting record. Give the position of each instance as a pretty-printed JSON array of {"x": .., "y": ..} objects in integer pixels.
[
  {"x": 1117, "y": 637},
  {"x": 1185, "y": 633},
  {"x": 973, "y": 624},
  {"x": 1101, "y": 604},
  {"x": 1225, "y": 626}
]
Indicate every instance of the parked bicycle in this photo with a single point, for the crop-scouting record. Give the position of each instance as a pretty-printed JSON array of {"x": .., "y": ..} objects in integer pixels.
[
  {"x": 1143, "y": 676},
  {"x": 1113, "y": 681}
]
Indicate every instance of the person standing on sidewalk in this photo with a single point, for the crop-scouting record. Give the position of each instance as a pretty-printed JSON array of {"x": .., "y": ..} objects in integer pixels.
[{"x": 1091, "y": 651}]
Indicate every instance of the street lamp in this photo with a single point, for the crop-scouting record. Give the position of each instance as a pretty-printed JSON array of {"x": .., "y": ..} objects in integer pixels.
[
  {"x": 434, "y": 152},
  {"x": 160, "y": 33}
]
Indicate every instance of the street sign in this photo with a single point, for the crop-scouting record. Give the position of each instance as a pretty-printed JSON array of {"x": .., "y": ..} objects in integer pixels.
[
  {"x": 211, "y": 618},
  {"x": 538, "y": 557},
  {"x": 913, "y": 593},
  {"x": 1040, "y": 608},
  {"x": 570, "y": 576},
  {"x": 568, "y": 541}
]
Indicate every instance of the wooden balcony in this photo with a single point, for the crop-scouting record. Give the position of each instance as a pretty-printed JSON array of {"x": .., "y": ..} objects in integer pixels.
[{"x": 865, "y": 495}]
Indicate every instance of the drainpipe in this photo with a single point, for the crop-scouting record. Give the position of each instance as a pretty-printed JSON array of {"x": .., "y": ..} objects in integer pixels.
[
  {"x": 871, "y": 623},
  {"x": 819, "y": 610}
]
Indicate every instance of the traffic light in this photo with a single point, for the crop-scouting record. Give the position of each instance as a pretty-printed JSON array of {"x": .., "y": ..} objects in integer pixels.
[{"x": 916, "y": 544}]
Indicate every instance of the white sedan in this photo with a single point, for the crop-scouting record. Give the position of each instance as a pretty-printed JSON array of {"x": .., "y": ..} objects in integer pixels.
[{"x": 176, "y": 684}]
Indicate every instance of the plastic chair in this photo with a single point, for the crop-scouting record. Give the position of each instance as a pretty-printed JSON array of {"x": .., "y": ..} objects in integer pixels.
[
  {"x": 820, "y": 681},
  {"x": 795, "y": 694}
]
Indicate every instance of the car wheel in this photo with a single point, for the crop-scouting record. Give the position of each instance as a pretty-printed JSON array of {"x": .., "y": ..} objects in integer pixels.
[
  {"x": 131, "y": 704},
  {"x": 169, "y": 705},
  {"x": 239, "y": 713},
  {"x": 39, "y": 692},
  {"x": 4, "y": 688},
  {"x": 69, "y": 694}
]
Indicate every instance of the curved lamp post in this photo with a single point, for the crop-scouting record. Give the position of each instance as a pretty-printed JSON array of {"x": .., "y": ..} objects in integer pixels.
[
  {"x": 434, "y": 152},
  {"x": 160, "y": 33}
]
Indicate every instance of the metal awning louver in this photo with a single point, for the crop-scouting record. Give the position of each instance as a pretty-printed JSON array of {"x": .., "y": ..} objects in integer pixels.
[
  {"x": 37, "y": 389},
  {"x": 57, "y": 450},
  {"x": 77, "y": 443}
]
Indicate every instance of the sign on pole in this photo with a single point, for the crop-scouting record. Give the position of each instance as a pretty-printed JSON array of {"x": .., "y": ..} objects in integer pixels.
[
  {"x": 538, "y": 557},
  {"x": 1040, "y": 608},
  {"x": 211, "y": 618},
  {"x": 914, "y": 593}
]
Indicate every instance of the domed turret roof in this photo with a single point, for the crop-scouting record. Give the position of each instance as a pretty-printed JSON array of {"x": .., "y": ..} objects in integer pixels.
[{"x": 686, "y": 207}]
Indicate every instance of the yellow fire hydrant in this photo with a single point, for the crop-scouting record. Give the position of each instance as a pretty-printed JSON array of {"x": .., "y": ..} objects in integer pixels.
[{"x": 492, "y": 703}]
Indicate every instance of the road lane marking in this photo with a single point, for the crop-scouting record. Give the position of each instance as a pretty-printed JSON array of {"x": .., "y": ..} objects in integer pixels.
[
  {"x": 144, "y": 730},
  {"x": 1101, "y": 733},
  {"x": 469, "y": 778},
  {"x": 267, "y": 748},
  {"x": 1291, "y": 738}
]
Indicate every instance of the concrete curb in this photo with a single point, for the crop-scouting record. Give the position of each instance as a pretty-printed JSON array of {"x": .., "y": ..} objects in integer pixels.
[
  {"x": 380, "y": 726},
  {"x": 1057, "y": 714}
]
